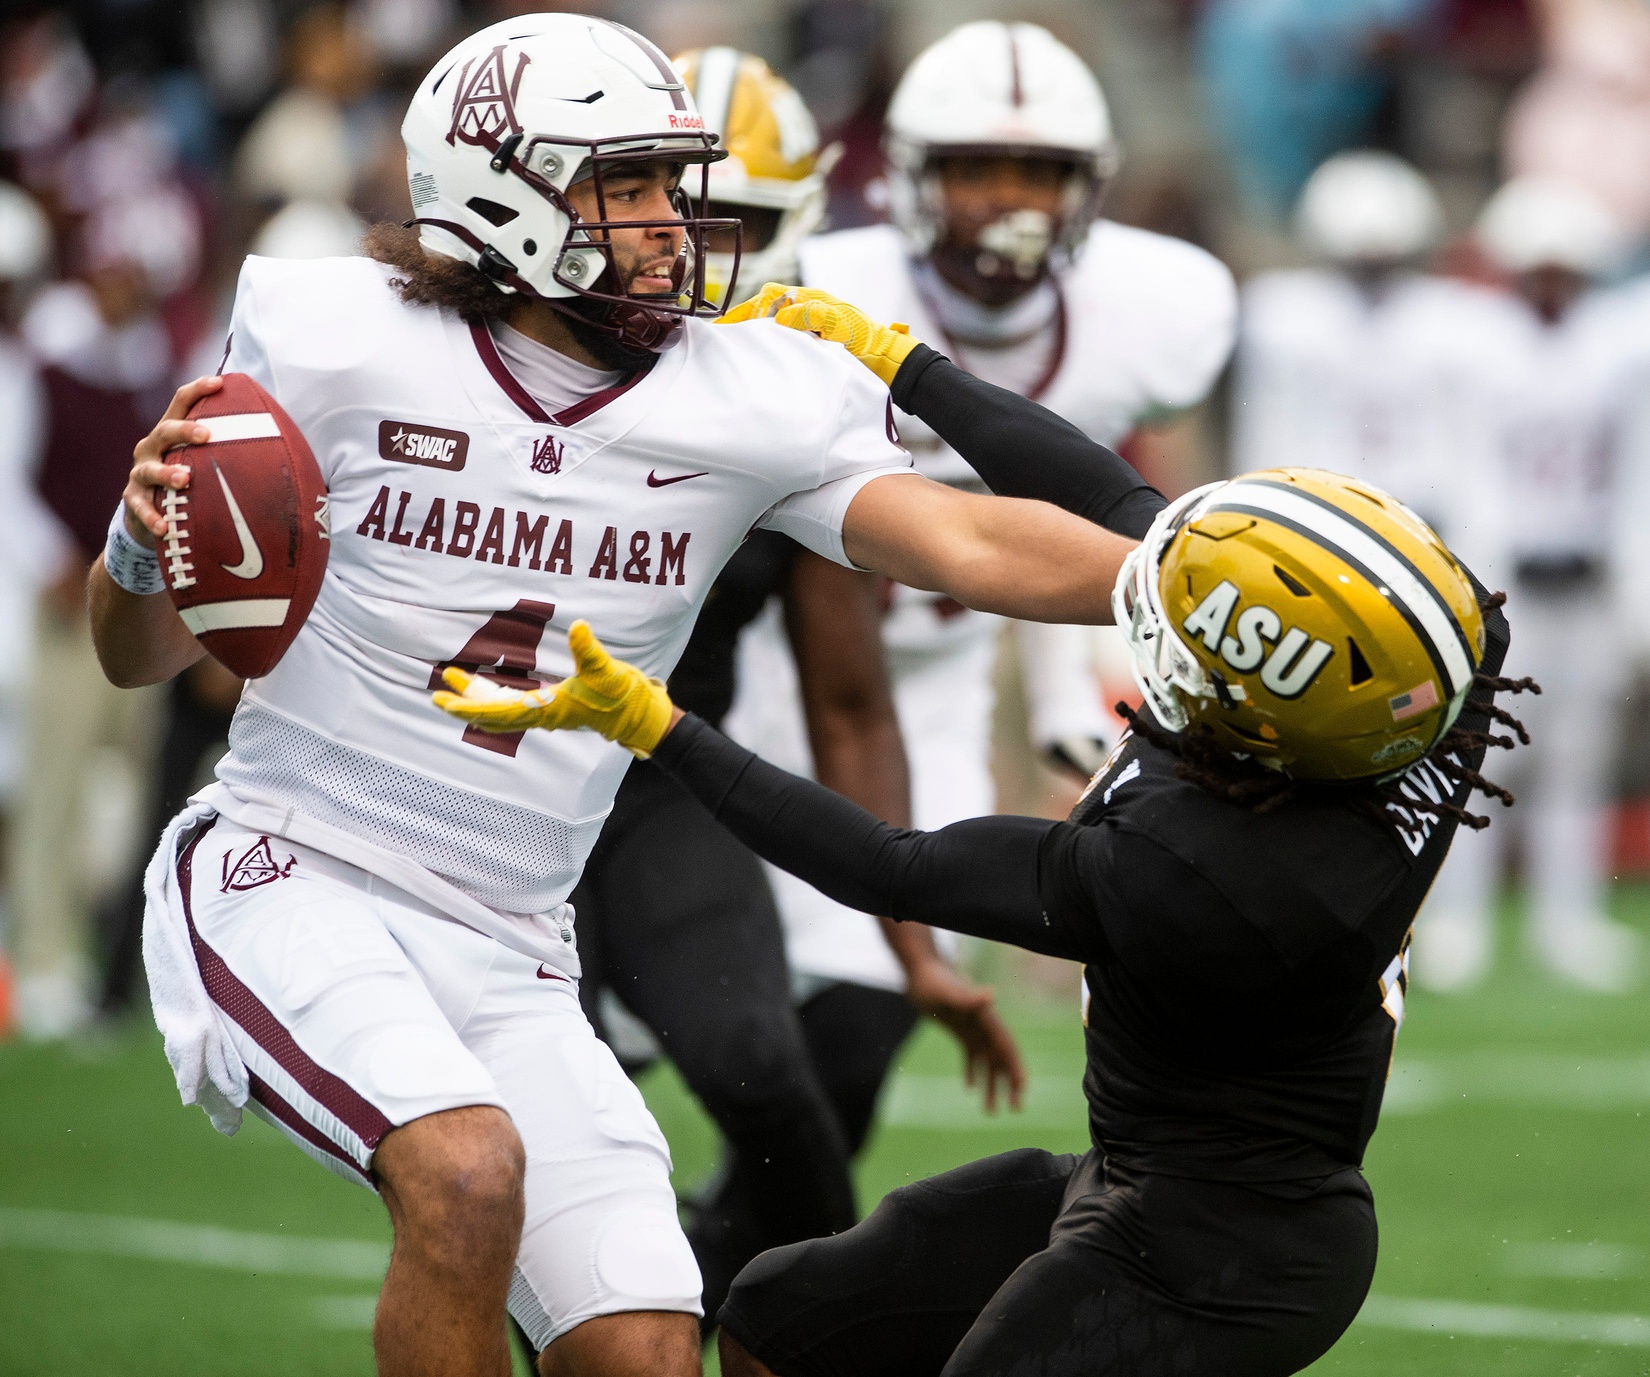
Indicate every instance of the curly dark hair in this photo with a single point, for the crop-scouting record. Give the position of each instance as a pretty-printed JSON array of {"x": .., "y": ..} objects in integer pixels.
[
  {"x": 1248, "y": 784},
  {"x": 432, "y": 279}
]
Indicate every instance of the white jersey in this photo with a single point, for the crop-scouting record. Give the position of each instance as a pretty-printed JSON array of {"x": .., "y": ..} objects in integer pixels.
[
  {"x": 1551, "y": 404},
  {"x": 470, "y": 527},
  {"x": 1372, "y": 386},
  {"x": 1137, "y": 330},
  {"x": 1141, "y": 328}
]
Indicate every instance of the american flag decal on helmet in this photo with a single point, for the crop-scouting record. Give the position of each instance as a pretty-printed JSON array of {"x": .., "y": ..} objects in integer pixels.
[{"x": 1421, "y": 698}]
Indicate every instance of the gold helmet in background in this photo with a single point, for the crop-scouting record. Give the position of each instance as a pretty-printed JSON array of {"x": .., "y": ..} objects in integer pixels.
[
  {"x": 1309, "y": 621},
  {"x": 774, "y": 177}
]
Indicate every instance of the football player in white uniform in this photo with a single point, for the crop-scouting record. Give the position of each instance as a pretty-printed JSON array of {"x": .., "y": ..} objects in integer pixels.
[
  {"x": 999, "y": 147},
  {"x": 1554, "y": 387},
  {"x": 361, "y": 930},
  {"x": 1355, "y": 364}
]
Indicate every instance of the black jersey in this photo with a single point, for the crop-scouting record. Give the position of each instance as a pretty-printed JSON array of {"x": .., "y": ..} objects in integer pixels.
[
  {"x": 1244, "y": 972},
  {"x": 1245, "y": 969},
  {"x": 703, "y": 680}
]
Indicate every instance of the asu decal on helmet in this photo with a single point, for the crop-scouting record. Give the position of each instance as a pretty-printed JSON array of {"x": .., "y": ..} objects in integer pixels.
[
  {"x": 774, "y": 176},
  {"x": 1307, "y": 620}
]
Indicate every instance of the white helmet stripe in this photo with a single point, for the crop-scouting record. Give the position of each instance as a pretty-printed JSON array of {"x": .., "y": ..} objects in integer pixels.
[
  {"x": 1413, "y": 596},
  {"x": 713, "y": 87}
]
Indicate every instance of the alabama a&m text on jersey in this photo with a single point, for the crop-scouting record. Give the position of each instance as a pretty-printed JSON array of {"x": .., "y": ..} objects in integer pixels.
[{"x": 471, "y": 528}]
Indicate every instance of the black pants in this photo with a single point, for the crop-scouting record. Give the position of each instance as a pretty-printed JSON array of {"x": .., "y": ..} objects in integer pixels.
[
  {"x": 1051, "y": 1266},
  {"x": 676, "y": 917}
]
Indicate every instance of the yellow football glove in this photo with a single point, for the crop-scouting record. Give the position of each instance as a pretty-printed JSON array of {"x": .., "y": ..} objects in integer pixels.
[
  {"x": 606, "y": 695},
  {"x": 881, "y": 348}
]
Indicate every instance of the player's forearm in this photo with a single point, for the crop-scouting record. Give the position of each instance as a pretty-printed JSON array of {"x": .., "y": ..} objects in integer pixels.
[
  {"x": 1021, "y": 559},
  {"x": 978, "y": 877},
  {"x": 139, "y": 639},
  {"x": 1022, "y": 450}
]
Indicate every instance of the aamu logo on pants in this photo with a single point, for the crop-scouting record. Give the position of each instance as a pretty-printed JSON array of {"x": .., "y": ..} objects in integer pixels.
[{"x": 403, "y": 442}]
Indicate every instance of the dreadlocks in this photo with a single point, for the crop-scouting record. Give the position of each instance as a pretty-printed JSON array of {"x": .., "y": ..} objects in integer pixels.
[{"x": 1246, "y": 783}]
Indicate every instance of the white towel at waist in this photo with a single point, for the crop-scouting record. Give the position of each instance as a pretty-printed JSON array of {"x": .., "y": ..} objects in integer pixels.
[{"x": 209, "y": 1070}]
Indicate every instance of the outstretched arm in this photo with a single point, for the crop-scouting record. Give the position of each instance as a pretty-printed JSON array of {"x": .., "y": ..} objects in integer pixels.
[
  {"x": 1020, "y": 559},
  {"x": 1017, "y": 447},
  {"x": 978, "y": 877},
  {"x": 1021, "y": 449}
]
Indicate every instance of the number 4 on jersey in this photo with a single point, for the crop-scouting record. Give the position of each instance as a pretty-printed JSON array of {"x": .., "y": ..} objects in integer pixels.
[{"x": 504, "y": 649}]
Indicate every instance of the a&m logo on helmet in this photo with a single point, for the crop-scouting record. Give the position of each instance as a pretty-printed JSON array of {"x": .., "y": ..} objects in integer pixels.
[{"x": 484, "y": 100}]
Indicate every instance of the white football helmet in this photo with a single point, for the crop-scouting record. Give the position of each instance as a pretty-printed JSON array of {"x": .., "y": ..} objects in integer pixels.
[
  {"x": 1368, "y": 207},
  {"x": 1534, "y": 222},
  {"x": 991, "y": 88},
  {"x": 774, "y": 174},
  {"x": 507, "y": 121}
]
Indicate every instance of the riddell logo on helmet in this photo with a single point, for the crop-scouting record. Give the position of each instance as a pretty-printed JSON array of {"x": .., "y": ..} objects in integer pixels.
[
  {"x": 484, "y": 100},
  {"x": 1287, "y": 671},
  {"x": 687, "y": 122}
]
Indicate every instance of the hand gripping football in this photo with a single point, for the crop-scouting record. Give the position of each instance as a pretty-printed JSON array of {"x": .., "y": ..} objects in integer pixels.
[{"x": 246, "y": 542}]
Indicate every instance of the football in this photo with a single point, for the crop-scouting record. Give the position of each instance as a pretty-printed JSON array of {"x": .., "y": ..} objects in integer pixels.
[{"x": 246, "y": 542}]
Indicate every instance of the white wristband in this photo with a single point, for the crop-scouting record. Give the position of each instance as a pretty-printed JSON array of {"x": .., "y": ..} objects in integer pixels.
[{"x": 130, "y": 565}]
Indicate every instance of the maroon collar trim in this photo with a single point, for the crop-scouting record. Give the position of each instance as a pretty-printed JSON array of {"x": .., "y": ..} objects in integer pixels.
[
  {"x": 524, "y": 400},
  {"x": 1051, "y": 371}
]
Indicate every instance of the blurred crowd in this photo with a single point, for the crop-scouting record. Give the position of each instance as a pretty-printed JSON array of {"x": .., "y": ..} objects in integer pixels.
[{"x": 1438, "y": 209}]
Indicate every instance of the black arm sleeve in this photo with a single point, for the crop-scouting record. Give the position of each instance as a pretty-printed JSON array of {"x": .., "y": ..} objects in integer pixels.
[
  {"x": 979, "y": 877},
  {"x": 1022, "y": 450}
]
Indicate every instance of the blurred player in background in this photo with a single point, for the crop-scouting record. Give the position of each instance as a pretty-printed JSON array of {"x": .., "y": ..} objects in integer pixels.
[
  {"x": 1357, "y": 364},
  {"x": 106, "y": 366},
  {"x": 25, "y": 251},
  {"x": 999, "y": 147},
  {"x": 1551, "y": 396},
  {"x": 676, "y": 919}
]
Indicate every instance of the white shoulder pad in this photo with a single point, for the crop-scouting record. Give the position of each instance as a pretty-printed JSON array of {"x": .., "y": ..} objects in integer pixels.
[
  {"x": 1175, "y": 303},
  {"x": 308, "y": 329}
]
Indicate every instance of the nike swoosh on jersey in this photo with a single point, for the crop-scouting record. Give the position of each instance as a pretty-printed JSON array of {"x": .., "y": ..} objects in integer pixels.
[
  {"x": 252, "y": 558},
  {"x": 654, "y": 481},
  {"x": 549, "y": 975}
]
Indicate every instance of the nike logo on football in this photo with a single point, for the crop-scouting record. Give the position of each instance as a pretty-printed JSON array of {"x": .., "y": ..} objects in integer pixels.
[
  {"x": 544, "y": 974},
  {"x": 252, "y": 558},
  {"x": 654, "y": 481}
]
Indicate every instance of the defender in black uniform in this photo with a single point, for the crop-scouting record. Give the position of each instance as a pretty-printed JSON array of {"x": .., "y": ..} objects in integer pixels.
[{"x": 1243, "y": 930}]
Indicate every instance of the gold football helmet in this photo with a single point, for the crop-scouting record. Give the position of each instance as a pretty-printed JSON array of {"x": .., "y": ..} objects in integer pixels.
[
  {"x": 774, "y": 177},
  {"x": 1309, "y": 621}
]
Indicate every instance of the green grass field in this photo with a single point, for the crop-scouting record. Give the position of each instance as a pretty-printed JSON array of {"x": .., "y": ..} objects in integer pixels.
[{"x": 1512, "y": 1174}]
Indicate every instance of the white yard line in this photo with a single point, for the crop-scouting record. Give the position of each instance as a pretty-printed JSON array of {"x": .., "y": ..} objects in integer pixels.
[
  {"x": 343, "y": 1312},
  {"x": 1474, "y": 1319},
  {"x": 163, "y": 1240}
]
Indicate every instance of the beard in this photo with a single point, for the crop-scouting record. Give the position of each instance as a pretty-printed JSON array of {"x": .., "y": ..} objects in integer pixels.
[{"x": 589, "y": 322}]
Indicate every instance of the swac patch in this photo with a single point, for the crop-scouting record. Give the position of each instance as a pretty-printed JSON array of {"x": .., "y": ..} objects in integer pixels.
[
  {"x": 484, "y": 101},
  {"x": 402, "y": 442},
  {"x": 257, "y": 866}
]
